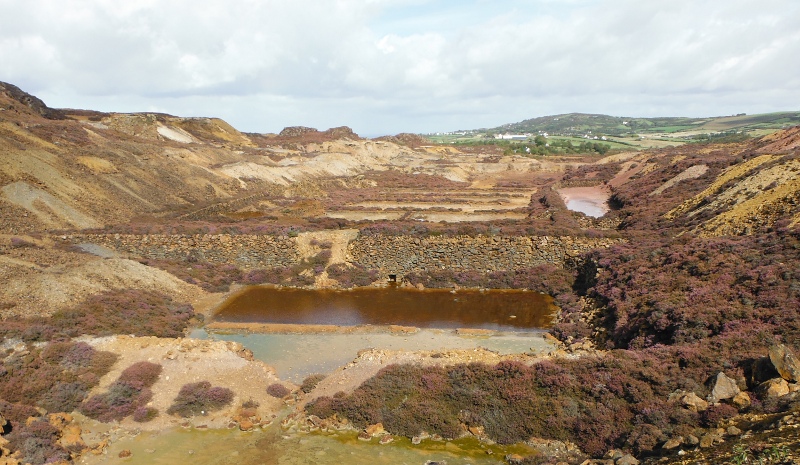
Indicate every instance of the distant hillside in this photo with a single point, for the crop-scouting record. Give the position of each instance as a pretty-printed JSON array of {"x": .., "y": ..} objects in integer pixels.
[
  {"x": 621, "y": 132},
  {"x": 577, "y": 124}
]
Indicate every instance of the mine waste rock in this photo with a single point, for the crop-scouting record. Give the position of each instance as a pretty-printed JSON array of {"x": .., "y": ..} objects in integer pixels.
[
  {"x": 689, "y": 400},
  {"x": 774, "y": 388},
  {"x": 724, "y": 388},
  {"x": 342, "y": 132},
  {"x": 785, "y": 363},
  {"x": 741, "y": 401},
  {"x": 296, "y": 131}
]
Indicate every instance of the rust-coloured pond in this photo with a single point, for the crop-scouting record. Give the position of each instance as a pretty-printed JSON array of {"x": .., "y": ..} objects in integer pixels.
[{"x": 506, "y": 310}]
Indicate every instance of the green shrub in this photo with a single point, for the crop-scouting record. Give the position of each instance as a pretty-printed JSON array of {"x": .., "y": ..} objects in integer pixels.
[
  {"x": 278, "y": 390},
  {"x": 144, "y": 414},
  {"x": 142, "y": 313},
  {"x": 126, "y": 396},
  {"x": 199, "y": 398},
  {"x": 311, "y": 382},
  {"x": 57, "y": 378},
  {"x": 597, "y": 402}
]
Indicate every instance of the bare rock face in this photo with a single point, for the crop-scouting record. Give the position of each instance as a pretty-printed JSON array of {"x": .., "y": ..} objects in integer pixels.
[
  {"x": 724, "y": 388},
  {"x": 785, "y": 363}
]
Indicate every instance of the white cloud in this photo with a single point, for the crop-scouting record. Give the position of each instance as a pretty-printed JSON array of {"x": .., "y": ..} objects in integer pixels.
[{"x": 398, "y": 65}]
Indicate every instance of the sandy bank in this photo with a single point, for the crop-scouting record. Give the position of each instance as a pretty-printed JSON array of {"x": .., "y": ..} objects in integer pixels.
[{"x": 222, "y": 363}]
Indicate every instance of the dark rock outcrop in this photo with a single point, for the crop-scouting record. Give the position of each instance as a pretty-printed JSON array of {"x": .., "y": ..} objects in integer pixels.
[
  {"x": 32, "y": 102},
  {"x": 296, "y": 131}
]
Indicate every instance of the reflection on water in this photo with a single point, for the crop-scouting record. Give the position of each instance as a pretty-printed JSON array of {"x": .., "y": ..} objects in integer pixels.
[
  {"x": 495, "y": 310},
  {"x": 273, "y": 446},
  {"x": 587, "y": 207},
  {"x": 295, "y": 356}
]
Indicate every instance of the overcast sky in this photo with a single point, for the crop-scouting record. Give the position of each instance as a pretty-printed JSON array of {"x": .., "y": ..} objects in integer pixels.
[{"x": 390, "y": 66}]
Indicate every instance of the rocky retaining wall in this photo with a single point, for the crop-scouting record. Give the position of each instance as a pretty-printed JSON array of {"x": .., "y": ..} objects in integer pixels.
[
  {"x": 390, "y": 254},
  {"x": 245, "y": 251},
  {"x": 402, "y": 254}
]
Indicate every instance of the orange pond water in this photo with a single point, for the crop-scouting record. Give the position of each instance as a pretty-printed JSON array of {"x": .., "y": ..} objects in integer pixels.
[{"x": 506, "y": 310}]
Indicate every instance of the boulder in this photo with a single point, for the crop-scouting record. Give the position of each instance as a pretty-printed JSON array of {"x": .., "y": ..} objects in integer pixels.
[
  {"x": 71, "y": 438},
  {"x": 733, "y": 431},
  {"x": 59, "y": 420},
  {"x": 774, "y": 388},
  {"x": 724, "y": 388},
  {"x": 741, "y": 400},
  {"x": 710, "y": 439},
  {"x": 246, "y": 424},
  {"x": 627, "y": 459},
  {"x": 785, "y": 363},
  {"x": 673, "y": 443},
  {"x": 693, "y": 402},
  {"x": 375, "y": 430}
]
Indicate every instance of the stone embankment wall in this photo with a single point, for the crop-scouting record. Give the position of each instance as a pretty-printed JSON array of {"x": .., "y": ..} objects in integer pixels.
[
  {"x": 222, "y": 207},
  {"x": 402, "y": 254},
  {"x": 244, "y": 251},
  {"x": 390, "y": 254}
]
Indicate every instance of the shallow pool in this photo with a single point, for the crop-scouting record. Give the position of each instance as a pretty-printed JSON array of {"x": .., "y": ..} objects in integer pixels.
[
  {"x": 273, "y": 446},
  {"x": 295, "y": 356},
  {"x": 498, "y": 310}
]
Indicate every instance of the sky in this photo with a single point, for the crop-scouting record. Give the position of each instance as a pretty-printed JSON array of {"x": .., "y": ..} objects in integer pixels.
[{"x": 390, "y": 66}]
